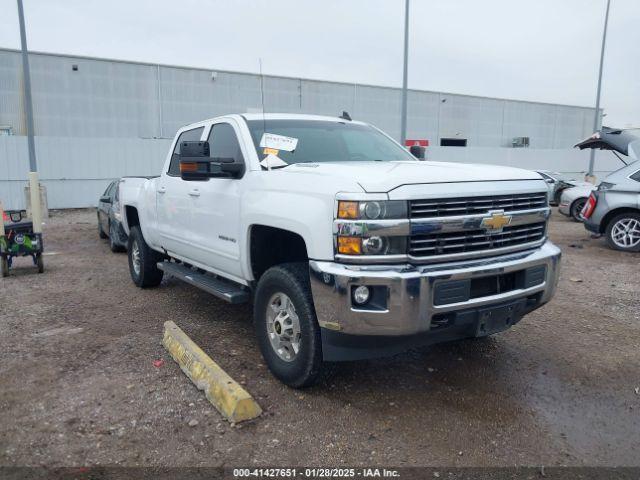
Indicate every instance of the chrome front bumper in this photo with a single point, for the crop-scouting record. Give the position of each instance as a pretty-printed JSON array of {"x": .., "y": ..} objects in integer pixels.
[{"x": 410, "y": 305}]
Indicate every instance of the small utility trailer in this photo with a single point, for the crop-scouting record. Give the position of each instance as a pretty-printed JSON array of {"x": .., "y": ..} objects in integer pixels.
[{"x": 17, "y": 239}]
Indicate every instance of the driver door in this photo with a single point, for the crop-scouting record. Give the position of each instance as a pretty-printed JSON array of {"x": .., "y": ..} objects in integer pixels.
[
  {"x": 174, "y": 202},
  {"x": 215, "y": 208}
]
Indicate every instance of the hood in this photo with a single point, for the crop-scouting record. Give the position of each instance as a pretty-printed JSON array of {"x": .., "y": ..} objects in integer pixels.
[{"x": 376, "y": 177}]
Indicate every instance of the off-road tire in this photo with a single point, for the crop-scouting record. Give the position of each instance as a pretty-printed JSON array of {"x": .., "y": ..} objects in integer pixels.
[
  {"x": 307, "y": 368},
  {"x": 576, "y": 208},
  {"x": 115, "y": 247},
  {"x": 148, "y": 274},
  {"x": 609, "y": 230},
  {"x": 40, "y": 263},
  {"x": 4, "y": 267}
]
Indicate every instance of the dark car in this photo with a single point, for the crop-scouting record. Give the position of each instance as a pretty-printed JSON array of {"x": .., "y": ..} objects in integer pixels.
[{"x": 110, "y": 219}]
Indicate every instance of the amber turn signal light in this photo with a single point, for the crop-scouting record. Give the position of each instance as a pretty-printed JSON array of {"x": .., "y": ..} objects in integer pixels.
[
  {"x": 188, "y": 167},
  {"x": 348, "y": 210},
  {"x": 350, "y": 245}
]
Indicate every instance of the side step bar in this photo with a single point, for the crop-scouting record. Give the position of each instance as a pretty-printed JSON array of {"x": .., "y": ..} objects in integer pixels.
[{"x": 223, "y": 289}]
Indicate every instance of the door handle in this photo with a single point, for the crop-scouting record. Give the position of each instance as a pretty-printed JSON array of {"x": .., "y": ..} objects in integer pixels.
[
  {"x": 194, "y": 193},
  {"x": 162, "y": 189}
]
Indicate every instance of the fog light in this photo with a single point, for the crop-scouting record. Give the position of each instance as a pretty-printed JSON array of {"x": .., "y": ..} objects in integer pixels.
[{"x": 361, "y": 295}]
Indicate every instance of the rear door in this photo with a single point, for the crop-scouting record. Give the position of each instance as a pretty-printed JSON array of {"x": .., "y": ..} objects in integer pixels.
[{"x": 174, "y": 203}]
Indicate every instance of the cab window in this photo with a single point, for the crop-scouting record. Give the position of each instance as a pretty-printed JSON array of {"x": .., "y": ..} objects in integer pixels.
[{"x": 223, "y": 143}]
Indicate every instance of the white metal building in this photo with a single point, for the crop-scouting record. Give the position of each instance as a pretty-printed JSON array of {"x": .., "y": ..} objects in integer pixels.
[{"x": 85, "y": 109}]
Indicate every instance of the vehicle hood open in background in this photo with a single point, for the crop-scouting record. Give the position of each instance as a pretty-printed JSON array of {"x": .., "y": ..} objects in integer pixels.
[
  {"x": 613, "y": 139},
  {"x": 385, "y": 176}
]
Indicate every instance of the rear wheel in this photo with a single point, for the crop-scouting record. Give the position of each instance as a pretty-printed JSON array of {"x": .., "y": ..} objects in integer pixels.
[
  {"x": 576, "y": 208},
  {"x": 143, "y": 261},
  {"x": 4, "y": 267},
  {"x": 286, "y": 326},
  {"x": 40, "y": 263},
  {"x": 623, "y": 232}
]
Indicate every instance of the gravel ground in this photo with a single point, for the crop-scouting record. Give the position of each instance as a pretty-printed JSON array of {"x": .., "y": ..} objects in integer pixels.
[{"x": 78, "y": 385}]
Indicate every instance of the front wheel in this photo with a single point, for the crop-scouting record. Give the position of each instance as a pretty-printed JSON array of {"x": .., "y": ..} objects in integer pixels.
[
  {"x": 143, "y": 261},
  {"x": 623, "y": 232},
  {"x": 286, "y": 326}
]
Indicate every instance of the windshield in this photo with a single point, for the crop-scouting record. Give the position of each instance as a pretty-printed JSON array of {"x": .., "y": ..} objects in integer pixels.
[{"x": 326, "y": 141}]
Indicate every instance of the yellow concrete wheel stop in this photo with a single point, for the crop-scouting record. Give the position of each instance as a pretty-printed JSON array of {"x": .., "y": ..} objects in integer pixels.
[{"x": 224, "y": 393}]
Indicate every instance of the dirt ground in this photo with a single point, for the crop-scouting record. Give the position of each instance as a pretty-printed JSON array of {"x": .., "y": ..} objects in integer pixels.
[{"x": 78, "y": 385}]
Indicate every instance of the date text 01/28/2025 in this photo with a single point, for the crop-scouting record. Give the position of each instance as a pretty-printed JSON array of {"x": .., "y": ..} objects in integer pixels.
[{"x": 315, "y": 472}]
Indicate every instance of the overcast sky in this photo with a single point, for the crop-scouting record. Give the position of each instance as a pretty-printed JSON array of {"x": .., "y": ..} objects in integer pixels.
[{"x": 541, "y": 50}]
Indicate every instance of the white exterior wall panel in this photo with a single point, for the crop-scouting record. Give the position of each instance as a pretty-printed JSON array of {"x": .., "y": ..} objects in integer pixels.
[
  {"x": 99, "y": 122},
  {"x": 326, "y": 98},
  {"x": 107, "y": 98},
  {"x": 380, "y": 107}
]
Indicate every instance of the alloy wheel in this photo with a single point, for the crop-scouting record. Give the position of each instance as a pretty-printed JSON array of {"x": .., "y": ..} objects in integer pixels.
[
  {"x": 626, "y": 233},
  {"x": 283, "y": 327},
  {"x": 135, "y": 257}
]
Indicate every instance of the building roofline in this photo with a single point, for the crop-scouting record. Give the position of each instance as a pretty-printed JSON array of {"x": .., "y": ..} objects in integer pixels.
[{"x": 187, "y": 67}]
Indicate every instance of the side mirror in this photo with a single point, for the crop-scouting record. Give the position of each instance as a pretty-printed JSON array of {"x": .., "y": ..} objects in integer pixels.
[
  {"x": 418, "y": 151},
  {"x": 197, "y": 164},
  {"x": 105, "y": 199},
  {"x": 550, "y": 180}
]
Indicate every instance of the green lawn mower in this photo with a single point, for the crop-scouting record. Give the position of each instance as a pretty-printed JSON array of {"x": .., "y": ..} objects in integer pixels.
[{"x": 19, "y": 240}]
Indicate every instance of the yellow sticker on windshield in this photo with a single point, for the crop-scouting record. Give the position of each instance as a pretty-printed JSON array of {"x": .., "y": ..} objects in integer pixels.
[{"x": 270, "y": 151}]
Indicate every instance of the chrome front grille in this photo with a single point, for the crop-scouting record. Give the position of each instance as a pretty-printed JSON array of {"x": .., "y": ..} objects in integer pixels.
[
  {"x": 474, "y": 240},
  {"x": 447, "y": 229},
  {"x": 446, "y": 207}
]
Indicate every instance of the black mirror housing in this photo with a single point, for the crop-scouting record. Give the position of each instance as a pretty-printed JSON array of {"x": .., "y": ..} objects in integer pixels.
[
  {"x": 418, "y": 151},
  {"x": 197, "y": 164},
  {"x": 105, "y": 199}
]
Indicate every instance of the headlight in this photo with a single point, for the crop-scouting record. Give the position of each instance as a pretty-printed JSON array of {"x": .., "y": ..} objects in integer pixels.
[
  {"x": 605, "y": 186},
  {"x": 384, "y": 245},
  {"x": 374, "y": 245},
  {"x": 372, "y": 210},
  {"x": 372, "y": 227}
]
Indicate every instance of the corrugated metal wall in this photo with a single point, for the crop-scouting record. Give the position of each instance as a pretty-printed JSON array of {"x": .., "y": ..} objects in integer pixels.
[
  {"x": 110, "y": 118},
  {"x": 76, "y": 170},
  {"x": 105, "y": 98}
]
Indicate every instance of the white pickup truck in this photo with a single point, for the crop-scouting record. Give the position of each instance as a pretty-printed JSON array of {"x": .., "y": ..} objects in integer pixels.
[{"x": 348, "y": 245}]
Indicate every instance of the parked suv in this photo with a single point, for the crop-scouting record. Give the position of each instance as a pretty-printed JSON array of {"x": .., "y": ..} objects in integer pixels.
[
  {"x": 613, "y": 208},
  {"x": 348, "y": 246}
]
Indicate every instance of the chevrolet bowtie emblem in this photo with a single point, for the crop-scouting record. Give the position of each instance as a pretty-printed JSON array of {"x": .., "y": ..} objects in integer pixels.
[{"x": 496, "y": 222}]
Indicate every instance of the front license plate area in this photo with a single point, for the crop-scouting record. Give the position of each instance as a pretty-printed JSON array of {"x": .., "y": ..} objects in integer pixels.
[{"x": 495, "y": 319}]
